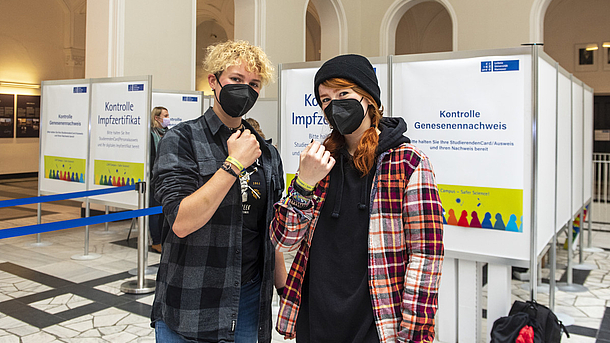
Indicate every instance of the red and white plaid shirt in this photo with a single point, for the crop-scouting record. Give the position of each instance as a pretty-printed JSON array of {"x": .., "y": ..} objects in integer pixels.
[{"x": 405, "y": 247}]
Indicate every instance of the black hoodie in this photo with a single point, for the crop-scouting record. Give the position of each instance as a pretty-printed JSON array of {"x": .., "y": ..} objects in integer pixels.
[{"x": 336, "y": 304}]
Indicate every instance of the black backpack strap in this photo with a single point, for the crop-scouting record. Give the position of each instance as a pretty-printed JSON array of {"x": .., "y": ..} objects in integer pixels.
[{"x": 564, "y": 329}]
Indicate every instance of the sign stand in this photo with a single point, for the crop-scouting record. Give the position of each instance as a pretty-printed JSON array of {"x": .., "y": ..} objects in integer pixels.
[
  {"x": 39, "y": 242},
  {"x": 106, "y": 231},
  {"x": 86, "y": 256}
]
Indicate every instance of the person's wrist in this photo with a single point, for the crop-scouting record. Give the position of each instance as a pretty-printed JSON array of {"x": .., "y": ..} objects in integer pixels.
[
  {"x": 305, "y": 184},
  {"x": 297, "y": 187},
  {"x": 235, "y": 168},
  {"x": 229, "y": 168},
  {"x": 233, "y": 161}
]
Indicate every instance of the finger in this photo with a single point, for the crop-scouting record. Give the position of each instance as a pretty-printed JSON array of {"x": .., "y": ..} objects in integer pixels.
[
  {"x": 235, "y": 135},
  {"x": 331, "y": 163},
  {"x": 326, "y": 157},
  {"x": 321, "y": 151},
  {"x": 314, "y": 146},
  {"x": 306, "y": 149}
]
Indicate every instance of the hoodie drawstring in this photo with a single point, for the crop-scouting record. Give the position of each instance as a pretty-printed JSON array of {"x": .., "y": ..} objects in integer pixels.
[
  {"x": 362, "y": 204},
  {"x": 363, "y": 200},
  {"x": 337, "y": 208}
]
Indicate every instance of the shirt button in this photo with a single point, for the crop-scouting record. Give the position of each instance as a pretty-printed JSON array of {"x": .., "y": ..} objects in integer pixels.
[{"x": 236, "y": 283}]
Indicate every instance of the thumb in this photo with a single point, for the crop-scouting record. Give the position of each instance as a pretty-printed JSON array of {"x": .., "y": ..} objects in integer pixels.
[{"x": 235, "y": 135}]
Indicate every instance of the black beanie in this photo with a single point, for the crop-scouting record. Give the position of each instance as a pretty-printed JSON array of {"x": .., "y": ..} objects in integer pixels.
[{"x": 355, "y": 68}]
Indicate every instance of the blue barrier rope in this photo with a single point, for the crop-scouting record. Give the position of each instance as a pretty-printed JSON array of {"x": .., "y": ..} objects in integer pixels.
[
  {"x": 72, "y": 223},
  {"x": 65, "y": 196}
]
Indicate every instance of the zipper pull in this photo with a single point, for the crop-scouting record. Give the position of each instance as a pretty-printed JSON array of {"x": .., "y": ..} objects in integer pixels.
[{"x": 233, "y": 322}]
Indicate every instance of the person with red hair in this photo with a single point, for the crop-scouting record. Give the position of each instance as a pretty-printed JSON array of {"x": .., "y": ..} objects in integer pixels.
[{"x": 365, "y": 215}]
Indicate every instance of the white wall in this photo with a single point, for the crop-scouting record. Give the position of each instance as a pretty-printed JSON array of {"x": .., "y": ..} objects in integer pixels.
[
  {"x": 158, "y": 40},
  {"x": 31, "y": 50}
]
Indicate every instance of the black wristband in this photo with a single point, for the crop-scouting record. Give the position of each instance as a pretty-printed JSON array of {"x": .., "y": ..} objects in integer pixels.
[
  {"x": 301, "y": 190},
  {"x": 280, "y": 291},
  {"x": 226, "y": 166}
]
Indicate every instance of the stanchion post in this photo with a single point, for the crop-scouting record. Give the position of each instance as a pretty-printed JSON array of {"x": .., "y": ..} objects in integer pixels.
[
  {"x": 141, "y": 285},
  {"x": 142, "y": 246},
  {"x": 144, "y": 223}
]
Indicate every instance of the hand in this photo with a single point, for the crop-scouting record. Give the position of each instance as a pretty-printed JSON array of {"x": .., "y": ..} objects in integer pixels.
[
  {"x": 244, "y": 147},
  {"x": 315, "y": 163}
]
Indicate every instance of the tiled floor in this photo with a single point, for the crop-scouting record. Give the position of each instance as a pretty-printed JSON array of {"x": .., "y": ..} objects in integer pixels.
[{"x": 45, "y": 296}]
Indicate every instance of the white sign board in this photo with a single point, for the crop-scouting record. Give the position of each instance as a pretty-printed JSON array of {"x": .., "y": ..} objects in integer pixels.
[
  {"x": 577, "y": 146},
  {"x": 64, "y": 134},
  {"x": 120, "y": 132},
  {"x": 181, "y": 105},
  {"x": 564, "y": 149},
  {"x": 469, "y": 116},
  {"x": 546, "y": 166},
  {"x": 588, "y": 143}
]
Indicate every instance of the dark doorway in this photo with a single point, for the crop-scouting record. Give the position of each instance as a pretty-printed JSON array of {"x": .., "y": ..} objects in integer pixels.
[{"x": 601, "y": 123}]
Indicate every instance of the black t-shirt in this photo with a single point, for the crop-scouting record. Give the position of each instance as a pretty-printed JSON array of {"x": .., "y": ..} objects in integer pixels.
[
  {"x": 253, "y": 192},
  {"x": 336, "y": 303}
]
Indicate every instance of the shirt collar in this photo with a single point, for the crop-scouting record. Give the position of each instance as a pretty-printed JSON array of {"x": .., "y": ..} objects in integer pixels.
[{"x": 214, "y": 123}]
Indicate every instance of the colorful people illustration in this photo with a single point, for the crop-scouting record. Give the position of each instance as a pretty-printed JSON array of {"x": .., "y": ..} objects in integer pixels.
[
  {"x": 463, "y": 219},
  {"x": 487, "y": 221},
  {"x": 512, "y": 224},
  {"x": 452, "y": 219},
  {"x": 474, "y": 222},
  {"x": 499, "y": 225}
]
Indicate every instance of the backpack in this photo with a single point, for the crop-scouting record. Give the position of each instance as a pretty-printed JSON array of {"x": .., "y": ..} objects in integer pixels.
[
  {"x": 551, "y": 328},
  {"x": 507, "y": 329}
]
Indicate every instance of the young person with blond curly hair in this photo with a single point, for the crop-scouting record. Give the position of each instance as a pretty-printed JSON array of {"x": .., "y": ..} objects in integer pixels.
[
  {"x": 365, "y": 215},
  {"x": 217, "y": 180}
]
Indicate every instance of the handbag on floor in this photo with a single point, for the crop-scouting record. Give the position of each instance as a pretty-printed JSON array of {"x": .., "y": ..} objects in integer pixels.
[{"x": 551, "y": 328}]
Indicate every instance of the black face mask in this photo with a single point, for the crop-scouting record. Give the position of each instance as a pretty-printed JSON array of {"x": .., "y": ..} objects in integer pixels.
[
  {"x": 345, "y": 115},
  {"x": 236, "y": 99}
]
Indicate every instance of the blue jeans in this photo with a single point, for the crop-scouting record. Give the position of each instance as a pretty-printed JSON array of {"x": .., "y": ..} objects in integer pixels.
[
  {"x": 163, "y": 334},
  {"x": 246, "y": 330}
]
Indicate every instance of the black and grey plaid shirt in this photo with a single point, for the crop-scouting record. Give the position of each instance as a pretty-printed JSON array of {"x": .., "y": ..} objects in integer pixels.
[{"x": 199, "y": 277}]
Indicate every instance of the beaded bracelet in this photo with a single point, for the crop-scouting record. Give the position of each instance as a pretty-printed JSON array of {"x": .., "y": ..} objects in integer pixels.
[
  {"x": 226, "y": 166},
  {"x": 300, "y": 201},
  {"x": 236, "y": 163}
]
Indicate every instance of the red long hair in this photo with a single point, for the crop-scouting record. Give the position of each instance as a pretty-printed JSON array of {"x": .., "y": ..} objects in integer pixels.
[{"x": 364, "y": 156}]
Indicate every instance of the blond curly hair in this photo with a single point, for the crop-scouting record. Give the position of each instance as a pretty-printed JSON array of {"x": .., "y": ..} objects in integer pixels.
[{"x": 222, "y": 55}]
